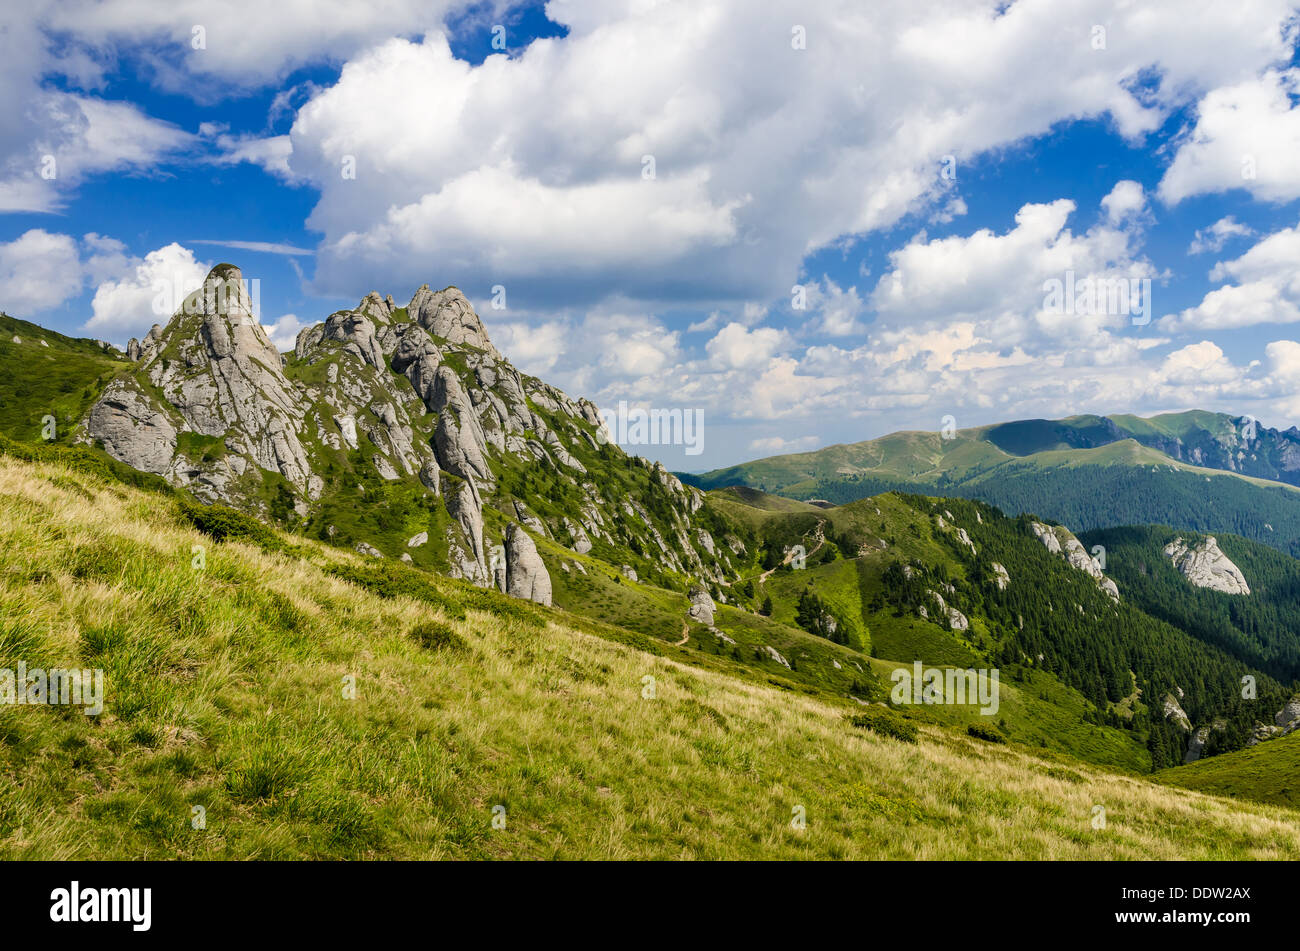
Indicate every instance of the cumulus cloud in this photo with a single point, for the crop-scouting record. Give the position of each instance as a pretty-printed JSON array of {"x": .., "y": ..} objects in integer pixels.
[
  {"x": 1126, "y": 201},
  {"x": 531, "y": 170},
  {"x": 777, "y": 444},
  {"x": 736, "y": 346},
  {"x": 284, "y": 332},
  {"x": 38, "y": 272},
  {"x": 1213, "y": 238},
  {"x": 1267, "y": 289},
  {"x": 1001, "y": 284},
  {"x": 148, "y": 292},
  {"x": 1247, "y": 135}
]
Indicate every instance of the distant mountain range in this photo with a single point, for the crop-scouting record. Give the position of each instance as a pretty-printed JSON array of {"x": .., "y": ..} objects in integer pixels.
[{"x": 1196, "y": 470}]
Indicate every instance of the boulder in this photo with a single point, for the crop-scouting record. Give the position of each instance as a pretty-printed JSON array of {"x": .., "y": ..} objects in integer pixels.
[{"x": 526, "y": 574}]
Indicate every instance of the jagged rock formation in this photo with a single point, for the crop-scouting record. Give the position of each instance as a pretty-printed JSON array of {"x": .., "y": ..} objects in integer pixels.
[
  {"x": 1059, "y": 540},
  {"x": 956, "y": 620},
  {"x": 413, "y": 397},
  {"x": 212, "y": 373},
  {"x": 1206, "y": 566},
  {"x": 1001, "y": 577},
  {"x": 1200, "y": 737}
]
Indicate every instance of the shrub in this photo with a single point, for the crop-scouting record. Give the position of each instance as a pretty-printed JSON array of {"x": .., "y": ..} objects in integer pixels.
[
  {"x": 396, "y": 580},
  {"x": 222, "y": 523},
  {"x": 885, "y": 723},
  {"x": 436, "y": 636},
  {"x": 982, "y": 732}
]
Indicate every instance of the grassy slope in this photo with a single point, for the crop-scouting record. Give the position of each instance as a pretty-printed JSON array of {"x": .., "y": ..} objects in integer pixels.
[
  {"x": 224, "y": 689},
  {"x": 1268, "y": 772},
  {"x": 61, "y": 378}
]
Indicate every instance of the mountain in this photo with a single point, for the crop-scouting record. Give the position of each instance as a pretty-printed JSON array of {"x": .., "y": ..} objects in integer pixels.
[
  {"x": 289, "y": 699},
  {"x": 45, "y": 374},
  {"x": 1200, "y": 471},
  {"x": 401, "y": 431}
]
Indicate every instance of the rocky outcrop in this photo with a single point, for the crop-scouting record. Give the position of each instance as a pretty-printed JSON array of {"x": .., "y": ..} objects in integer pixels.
[
  {"x": 956, "y": 620},
  {"x": 448, "y": 314},
  {"x": 1059, "y": 540},
  {"x": 1206, "y": 566},
  {"x": 702, "y": 606},
  {"x": 526, "y": 574},
  {"x": 1001, "y": 577},
  {"x": 1174, "y": 713},
  {"x": 1201, "y": 736},
  {"x": 417, "y": 396}
]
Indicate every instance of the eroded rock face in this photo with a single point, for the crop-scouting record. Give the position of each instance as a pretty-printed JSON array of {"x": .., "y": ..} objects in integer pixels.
[
  {"x": 702, "y": 606},
  {"x": 526, "y": 575},
  {"x": 1000, "y": 576},
  {"x": 1206, "y": 566},
  {"x": 1174, "y": 713},
  {"x": 447, "y": 314}
]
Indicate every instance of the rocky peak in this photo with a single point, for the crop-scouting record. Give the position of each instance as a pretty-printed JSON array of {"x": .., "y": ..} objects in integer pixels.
[
  {"x": 211, "y": 372},
  {"x": 448, "y": 314},
  {"x": 382, "y": 404},
  {"x": 1206, "y": 566}
]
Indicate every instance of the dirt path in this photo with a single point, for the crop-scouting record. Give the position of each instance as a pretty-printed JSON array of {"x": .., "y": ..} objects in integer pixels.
[
  {"x": 686, "y": 634},
  {"x": 821, "y": 540}
]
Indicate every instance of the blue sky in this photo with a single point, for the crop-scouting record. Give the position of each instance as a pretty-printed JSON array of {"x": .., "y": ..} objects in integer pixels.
[{"x": 919, "y": 170}]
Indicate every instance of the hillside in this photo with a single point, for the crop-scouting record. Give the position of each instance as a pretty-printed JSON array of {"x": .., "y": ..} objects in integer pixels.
[
  {"x": 225, "y": 689},
  {"x": 953, "y": 582},
  {"x": 1269, "y": 773},
  {"x": 1193, "y": 470},
  {"x": 43, "y": 373},
  {"x": 1262, "y": 627}
]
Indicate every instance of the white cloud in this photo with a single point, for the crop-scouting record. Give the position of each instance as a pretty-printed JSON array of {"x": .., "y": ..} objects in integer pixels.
[
  {"x": 1267, "y": 289},
  {"x": 533, "y": 347},
  {"x": 998, "y": 283},
  {"x": 832, "y": 310},
  {"x": 147, "y": 292},
  {"x": 737, "y": 347},
  {"x": 1126, "y": 201},
  {"x": 1247, "y": 135},
  {"x": 244, "y": 42},
  {"x": 69, "y": 138},
  {"x": 527, "y": 171},
  {"x": 38, "y": 272},
  {"x": 1217, "y": 235},
  {"x": 270, "y": 152},
  {"x": 262, "y": 247},
  {"x": 776, "y": 444},
  {"x": 284, "y": 332}
]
